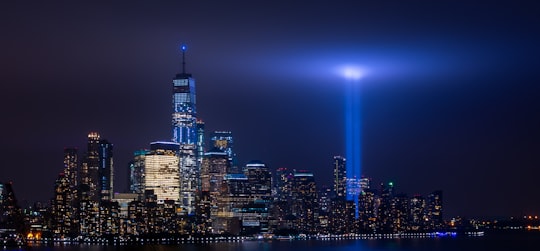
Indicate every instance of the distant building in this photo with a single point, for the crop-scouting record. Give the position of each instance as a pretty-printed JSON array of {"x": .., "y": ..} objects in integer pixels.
[
  {"x": 213, "y": 171},
  {"x": 305, "y": 203},
  {"x": 434, "y": 210},
  {"x": 384, "y": 209},
  {"x": 255, "y": 215},
  {"x": 341, "y": 219},
  {"x": 71, "y": 169},
  {"x": 201, "y": 147},
  {"x": 123, "y": 200},
  {"x": 90, "y": 180},
  {"x": 259, "y": 179},
  {"x": 11, "y": 217},
  {"x": 340, "y": 177},
  {"x": 400, "y": 213},
  {"x": 368, "y": 204},
  {"x": 417, "y": 218},
  {"x": 281, "y": 208},
  {"x": 65, "y": 203},
  {"x": 61, "y": 210},
  {"x": 283, "y": 184},
  {"x": 97, "y": 171},
  {"x": 237, "y": 197},
  {"x": 106, "y": 170},
  {"x": 223, "y": 140},
  {"x": 365, "y": 183},
  {"x": 136, "y": 172}
]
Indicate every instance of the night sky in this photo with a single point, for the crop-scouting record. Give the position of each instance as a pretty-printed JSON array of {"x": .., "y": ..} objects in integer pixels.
[{"x": 451, "y": 98}]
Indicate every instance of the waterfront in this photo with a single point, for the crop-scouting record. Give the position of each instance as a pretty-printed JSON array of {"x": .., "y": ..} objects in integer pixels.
[{"x": 492, "y": 242}]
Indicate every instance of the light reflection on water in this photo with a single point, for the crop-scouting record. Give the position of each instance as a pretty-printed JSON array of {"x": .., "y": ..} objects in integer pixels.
[{"x": 497, "y": 242}]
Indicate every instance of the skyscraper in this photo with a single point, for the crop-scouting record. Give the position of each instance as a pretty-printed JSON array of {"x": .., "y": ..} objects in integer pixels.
[
  {"x": 184, "y": 118},
  {"x": 340, "y": 177},
  {"x": 417, "y": 217},
  {"x": 71, "y": 167},
  {"x": 136, "y": 172},
  {"x": 200, "y": 141},
  {"x": 223, "y": 140},
  {"x": 106, "y": 170},
  {"x": 213, "y": 171},
  {"x": 254, "y": 216},
  {"x": 161, "y": 174},
  {"x": 90, "y": 169},
  {"x": 96, "y": 184},
  {"x": 64, "y": 206},
  {"x": 61, "y": 217},
  {"x": 434, "y": 209},
  {"x": 304, "y": 203},
  {"x": 184, "y": 122},
  {"x": 97, "y": 171},
  {"x": 11, "y": 216},
  {"x": 259, "y": 179}
]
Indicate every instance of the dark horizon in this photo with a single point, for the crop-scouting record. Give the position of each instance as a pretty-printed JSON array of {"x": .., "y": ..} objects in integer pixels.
[{"x": 451, "y": 100}]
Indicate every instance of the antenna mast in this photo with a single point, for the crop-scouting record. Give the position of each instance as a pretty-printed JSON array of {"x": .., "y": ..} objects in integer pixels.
[{"x": 184, "y": 59}]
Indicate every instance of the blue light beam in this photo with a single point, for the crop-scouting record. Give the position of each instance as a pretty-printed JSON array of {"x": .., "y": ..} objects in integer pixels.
[{"x": 353, "y": 132}]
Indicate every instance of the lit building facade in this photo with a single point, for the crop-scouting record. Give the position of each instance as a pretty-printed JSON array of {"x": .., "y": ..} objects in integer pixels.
[
  {"x": 281, "y": 208},
  {"x": 106, "y": 170},
  {"x": 434, "y": 210},
  {"x": 200, "y": 141},
  {"x": 283, "y": 184},
  {"x": 96, "y": 185},
  {"x": 368, "y": 204},
  {"x": 417, "y": 219},
  {"x": 237, "y": 197},
  {"x": 90, "y": 169},
  {"x": 340, "y": 177},
  {"x": 71, "y": 167},
  {"x": 223, "y": 140},
  {"x": 61, "y": 218},
  {"x": 136, "y": 172},
  {"x": 384, "y": 209},
  {"x": 254, "y": 216},
  {"x": 97, "y": 171},
  {"x": 11, "y": 216},
  {"x": 213, "y": 171},
  {"x": 365, "y": 183},
  {"x": 161, "y": 173},
  {"x": 341, "y": 219},
  {"x": 259, "y": 179},
  {"x": 64, "y": 205},
  {"x": 305, "y": 204}
]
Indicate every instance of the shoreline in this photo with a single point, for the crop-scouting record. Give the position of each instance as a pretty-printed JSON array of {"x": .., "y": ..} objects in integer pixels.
[{"x": 140, "y": 241}]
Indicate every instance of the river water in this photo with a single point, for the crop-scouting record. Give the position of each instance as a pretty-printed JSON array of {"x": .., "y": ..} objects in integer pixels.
[{"x": 490, "y": 242}]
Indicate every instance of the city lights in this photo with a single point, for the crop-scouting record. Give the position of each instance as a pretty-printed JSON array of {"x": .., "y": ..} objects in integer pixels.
[{"x": 180, "y": 188}]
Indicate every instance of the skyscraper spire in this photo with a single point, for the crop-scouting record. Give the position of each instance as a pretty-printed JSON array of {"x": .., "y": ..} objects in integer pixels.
[
  {"x": 184, "y": 122},
  {"x": 184, "y": 59}
]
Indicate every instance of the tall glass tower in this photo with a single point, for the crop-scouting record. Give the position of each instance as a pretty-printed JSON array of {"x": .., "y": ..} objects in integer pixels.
[
  {"x": 184, "y": 122},
  {"x": 340, "y": 177},
  {"x": 184, "y": 119},
  {"x": 97, "y": 169},
  {"x": 223, "y": 140}
]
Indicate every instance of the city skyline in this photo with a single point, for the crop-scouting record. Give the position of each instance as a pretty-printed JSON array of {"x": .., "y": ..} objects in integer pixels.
[{"x": 450, "y": 104}]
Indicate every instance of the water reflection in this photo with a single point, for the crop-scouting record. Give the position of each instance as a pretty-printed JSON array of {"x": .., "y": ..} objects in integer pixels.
[{"x": 496, "y": 242}]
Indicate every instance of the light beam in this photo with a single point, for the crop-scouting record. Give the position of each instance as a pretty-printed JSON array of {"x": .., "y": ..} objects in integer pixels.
[{"x": 353, "y": 130}]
